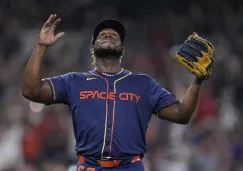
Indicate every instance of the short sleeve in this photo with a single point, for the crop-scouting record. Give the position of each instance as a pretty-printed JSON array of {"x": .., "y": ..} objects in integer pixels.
[
  {"x": 159, "y": 97},
  {"x": 60, "y": 87}
]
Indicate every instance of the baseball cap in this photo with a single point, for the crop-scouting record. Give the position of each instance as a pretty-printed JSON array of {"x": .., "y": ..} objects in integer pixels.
[{"x": 112, "y": 24}]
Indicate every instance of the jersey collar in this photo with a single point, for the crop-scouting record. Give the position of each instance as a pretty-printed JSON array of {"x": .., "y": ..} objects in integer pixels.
[{"x": 115, "y": 76}]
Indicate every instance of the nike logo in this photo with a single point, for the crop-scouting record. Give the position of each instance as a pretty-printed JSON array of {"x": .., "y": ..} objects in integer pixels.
[{"x": 89, "y": 78}]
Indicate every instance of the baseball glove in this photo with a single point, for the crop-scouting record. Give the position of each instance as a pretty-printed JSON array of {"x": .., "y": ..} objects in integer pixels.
[{"x": 197, "y": 55}]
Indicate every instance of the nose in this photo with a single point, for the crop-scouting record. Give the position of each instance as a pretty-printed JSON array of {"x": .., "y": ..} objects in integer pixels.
[{"x": 108, "y": 35}]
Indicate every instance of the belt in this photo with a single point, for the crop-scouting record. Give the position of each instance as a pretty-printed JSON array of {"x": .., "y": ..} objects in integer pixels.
[{"x": 106, "y": 163}]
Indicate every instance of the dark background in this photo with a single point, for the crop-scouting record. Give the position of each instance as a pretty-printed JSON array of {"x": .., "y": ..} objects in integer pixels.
[{"x": 34, "y": 137}]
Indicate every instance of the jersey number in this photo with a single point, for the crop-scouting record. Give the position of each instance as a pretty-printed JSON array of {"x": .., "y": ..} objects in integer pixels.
[{"x": 82, "y": 168}]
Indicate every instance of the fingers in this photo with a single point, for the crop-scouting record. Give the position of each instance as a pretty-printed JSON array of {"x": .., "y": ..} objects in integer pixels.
[
  {"x": 54, "y": 18},
  {"x": 55, "y": 24},
  {"x": 48, "y": 21},
  {"x": 59, "y": 35},
  {"x": 51, "y": 20}
]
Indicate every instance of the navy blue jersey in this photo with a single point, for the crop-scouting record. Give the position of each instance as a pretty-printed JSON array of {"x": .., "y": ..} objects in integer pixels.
[{"x": 110, "y": 114}]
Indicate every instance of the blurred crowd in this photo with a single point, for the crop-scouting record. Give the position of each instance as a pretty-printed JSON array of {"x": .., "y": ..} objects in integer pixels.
[{"x": 34, "y": 137}]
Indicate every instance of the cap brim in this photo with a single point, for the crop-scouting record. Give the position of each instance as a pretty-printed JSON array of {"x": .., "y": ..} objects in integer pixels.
[{"x": 112, "y": 24}]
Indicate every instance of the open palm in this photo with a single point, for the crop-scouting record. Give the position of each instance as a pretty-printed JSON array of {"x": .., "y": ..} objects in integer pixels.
[{"x": 47, "y": 36}]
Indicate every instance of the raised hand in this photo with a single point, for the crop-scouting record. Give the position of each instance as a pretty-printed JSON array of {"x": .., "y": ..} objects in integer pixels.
[{"x": 47, "y": 36}]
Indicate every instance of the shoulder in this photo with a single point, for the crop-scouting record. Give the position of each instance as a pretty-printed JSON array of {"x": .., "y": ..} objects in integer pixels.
[
  {"x": 71, "y": 77},
  {"x": 142, "y": 76},
  {"x": 141, "y": 79},
  {"x": 147, "y": 80},
  {"x": 75, "y": 75}
]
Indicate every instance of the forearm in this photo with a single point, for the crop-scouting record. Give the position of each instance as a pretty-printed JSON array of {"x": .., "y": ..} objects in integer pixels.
[
  {"x": 188, "y": 103},
  {"x": 32, "y": 77}
]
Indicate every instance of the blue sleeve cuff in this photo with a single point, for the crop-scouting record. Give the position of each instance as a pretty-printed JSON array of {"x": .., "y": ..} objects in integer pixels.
[
  {"x": 59, "y": 88},
  {"x": 53, "y": 93},
  {"x": 162, "y": 106}
]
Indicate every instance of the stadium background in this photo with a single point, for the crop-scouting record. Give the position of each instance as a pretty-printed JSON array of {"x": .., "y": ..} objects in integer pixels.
[{"x": 34, "y": 137}]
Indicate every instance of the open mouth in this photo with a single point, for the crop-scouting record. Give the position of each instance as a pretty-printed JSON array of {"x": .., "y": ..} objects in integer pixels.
[{"x": 108, "y": 42}]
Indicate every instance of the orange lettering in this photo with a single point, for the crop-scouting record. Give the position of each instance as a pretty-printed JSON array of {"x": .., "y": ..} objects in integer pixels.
[
  {"x": 90, "y": 169},
  {"x": 89, "y": 93},
  {"x": 96, "y": 93},
  {"x": 137, "y": 98},
  {"x": 121, "y": 96},
  {"x": 80, "y": 168},
  {"x": 112, "y": 95},
  {"x": 134, "y": 95},
  {"x": 83, "y": 94},
  {"x": 131, "y": 96},
  {"x": 101, "y": 95}
]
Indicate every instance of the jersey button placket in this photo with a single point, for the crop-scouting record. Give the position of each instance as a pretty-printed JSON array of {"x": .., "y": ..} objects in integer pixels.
[
  {"x": 110, "y": 125},
  {"x": 110, "y": 117}
]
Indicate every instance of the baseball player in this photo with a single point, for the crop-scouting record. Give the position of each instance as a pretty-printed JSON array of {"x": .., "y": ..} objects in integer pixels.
[{"x": 111, "y": 106}]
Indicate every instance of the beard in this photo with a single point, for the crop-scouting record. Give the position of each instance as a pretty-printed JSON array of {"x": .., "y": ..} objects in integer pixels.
[{"x": 114, "y": 51}]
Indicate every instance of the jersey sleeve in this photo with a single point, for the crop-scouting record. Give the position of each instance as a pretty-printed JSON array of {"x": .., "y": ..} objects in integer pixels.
[
  {"x": 60, "y": 87},
  {"x": 159, "y": 97}
]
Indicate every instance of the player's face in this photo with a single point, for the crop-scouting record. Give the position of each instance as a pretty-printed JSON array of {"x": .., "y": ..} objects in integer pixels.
[{"x": 108, "y": 43}]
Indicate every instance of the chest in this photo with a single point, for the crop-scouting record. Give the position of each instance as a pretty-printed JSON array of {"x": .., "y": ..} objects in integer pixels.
[{"x": 101, "y": 90}]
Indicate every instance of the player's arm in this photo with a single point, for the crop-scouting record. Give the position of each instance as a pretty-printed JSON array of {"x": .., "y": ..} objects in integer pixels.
[
  {"x": 197, "y": 55},
  {"x": 34, "y": 88},
  {"x": 182, "y": 111}
]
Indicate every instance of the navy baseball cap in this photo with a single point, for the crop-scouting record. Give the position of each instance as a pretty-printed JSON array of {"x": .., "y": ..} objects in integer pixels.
[{"x": 112, "y": 24}]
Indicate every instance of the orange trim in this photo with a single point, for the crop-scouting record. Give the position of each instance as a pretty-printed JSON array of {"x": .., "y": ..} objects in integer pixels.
[
  {"x": 110, "y": 163},
  {"x": 112, "y": 128},
  {"x": 136, "y": 158},
  {"x": 106, "y": 115},
  {"x": 113, "y": 114},
  {"x": 81, "y": 159}
]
